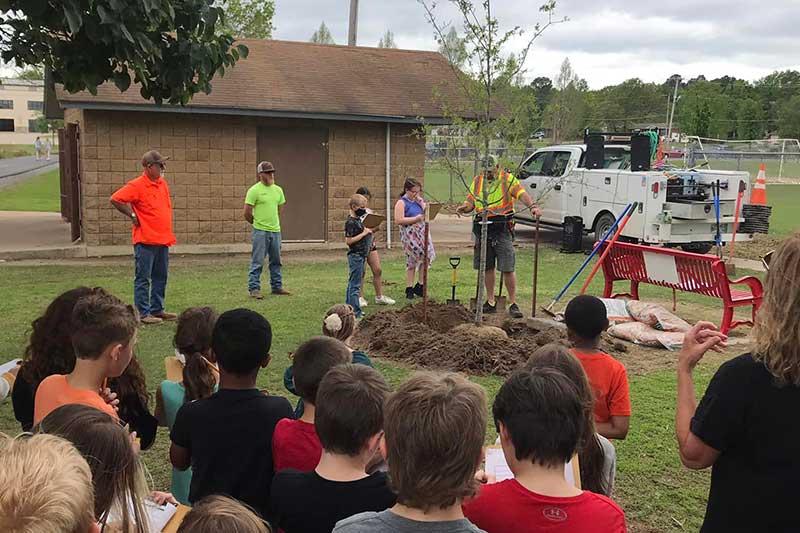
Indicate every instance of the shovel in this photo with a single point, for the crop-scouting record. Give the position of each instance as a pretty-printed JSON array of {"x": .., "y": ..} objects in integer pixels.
[
  {"x": 500, "y": 300},
  {"x": 454, "y": 262}
]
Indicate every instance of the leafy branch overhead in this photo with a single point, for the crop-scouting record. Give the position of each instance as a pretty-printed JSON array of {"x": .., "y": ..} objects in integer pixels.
[{"x": 172, "y": 48}]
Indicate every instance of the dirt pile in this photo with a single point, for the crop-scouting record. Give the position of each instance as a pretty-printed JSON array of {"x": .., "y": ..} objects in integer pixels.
[{"x": 402, "y": 335}]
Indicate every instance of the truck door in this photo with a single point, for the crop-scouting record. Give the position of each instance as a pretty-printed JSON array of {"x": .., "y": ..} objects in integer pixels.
[{"x": 546, "y": 172}]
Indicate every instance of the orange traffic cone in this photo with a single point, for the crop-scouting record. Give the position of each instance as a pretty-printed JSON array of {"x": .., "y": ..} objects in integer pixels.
[{"x": 759, "y": 194}]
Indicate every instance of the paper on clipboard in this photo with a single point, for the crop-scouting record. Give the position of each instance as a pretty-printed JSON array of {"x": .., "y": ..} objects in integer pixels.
[
  {"x": 496, "y": 464},
  {"x": 8, "y": 367},
  {"x": 373, "y": 220},
  {"x": 159, "y": 515}
]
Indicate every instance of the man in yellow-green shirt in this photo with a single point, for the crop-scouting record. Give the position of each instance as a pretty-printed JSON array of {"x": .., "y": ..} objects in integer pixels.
[{"x": 262, "y": 208}]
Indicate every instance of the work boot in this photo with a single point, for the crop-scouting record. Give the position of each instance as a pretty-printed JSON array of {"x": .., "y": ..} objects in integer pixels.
[
  {"x": 281, "y": 292},
  {"x": 410, "y": 293},
  {"x": 489, "y": 309},
  {"x": 514, "y": 312},
  {"x": 163, "y": 315},
  {"x": 150, "y": 319},
  {"x": 419, "y": 290},
  {"x": 256, "y": 294}
]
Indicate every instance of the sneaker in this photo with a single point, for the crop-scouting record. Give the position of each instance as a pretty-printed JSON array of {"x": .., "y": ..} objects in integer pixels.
[
  {"x": 281, "y": 292},
  {"x": 419, "y": 290},
  {"x": 410, "y": 293},
  {"x": 384, "y": 300},
  {"x": 256, "y": 294},
  {"x": 514, "y": 311},
  {"x": 163, "y": 315},
  {"x": 489, "y": 309},
  {"x": 150, "y": 319},
  {"x": 362, "y": 301}
]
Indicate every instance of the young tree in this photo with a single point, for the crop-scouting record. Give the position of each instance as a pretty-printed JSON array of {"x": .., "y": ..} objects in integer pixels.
[
  {"x": 387, "y": 41},
  {"x": 322, "y": 35},
  {"x": 251, "y": 19},
  {"x": 479, "y": 113},
  {"x": 172, "y": 48}
]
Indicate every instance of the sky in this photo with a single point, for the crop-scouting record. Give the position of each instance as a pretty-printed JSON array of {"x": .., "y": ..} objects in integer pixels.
[{"x": 606, "y": 41}]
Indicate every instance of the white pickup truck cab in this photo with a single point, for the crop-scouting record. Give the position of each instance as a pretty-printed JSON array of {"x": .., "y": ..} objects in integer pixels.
[{"x": 676, "y": 207}]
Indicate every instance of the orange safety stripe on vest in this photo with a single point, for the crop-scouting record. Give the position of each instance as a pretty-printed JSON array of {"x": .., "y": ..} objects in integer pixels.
[{"x": 505, "y": 207}]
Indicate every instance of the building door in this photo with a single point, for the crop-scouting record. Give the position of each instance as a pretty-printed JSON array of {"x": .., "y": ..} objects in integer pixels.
[
  {"x": 300, "y": 156},
  {"x": 70, "y": 178}
]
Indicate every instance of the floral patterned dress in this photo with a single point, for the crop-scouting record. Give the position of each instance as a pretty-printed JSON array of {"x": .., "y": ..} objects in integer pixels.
[{"x": 413, "y": 236}]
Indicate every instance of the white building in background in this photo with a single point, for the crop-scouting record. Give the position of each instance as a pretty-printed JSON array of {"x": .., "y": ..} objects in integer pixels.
[{"x": 21, "y": 104}]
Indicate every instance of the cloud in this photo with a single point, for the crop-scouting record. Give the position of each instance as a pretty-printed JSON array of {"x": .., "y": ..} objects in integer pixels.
[{"x": 607, "y": 42}]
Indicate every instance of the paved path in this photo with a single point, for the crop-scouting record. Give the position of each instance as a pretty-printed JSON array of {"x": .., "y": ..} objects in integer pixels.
[
  {"x": 23, "y": 230},
  {"x": 14, "y": 166}
]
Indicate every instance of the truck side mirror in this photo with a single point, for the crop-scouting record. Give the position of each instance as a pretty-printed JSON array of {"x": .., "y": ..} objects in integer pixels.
[{"x": 523, "y": 174}]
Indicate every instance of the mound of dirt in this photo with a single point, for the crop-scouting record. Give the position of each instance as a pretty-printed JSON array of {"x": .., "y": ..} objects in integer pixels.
[{"x": 448, "y": 341}]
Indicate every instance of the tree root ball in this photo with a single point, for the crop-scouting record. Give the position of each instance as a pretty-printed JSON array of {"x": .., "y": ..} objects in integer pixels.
[{"x": 480, "y": 330}]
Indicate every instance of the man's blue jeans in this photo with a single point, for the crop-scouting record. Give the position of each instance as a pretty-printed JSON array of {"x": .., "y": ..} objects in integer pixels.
[
  {"x": 150, "y": 279},
  {"x": 356, "y": 263},
  {"x": 265, "y": 244}
]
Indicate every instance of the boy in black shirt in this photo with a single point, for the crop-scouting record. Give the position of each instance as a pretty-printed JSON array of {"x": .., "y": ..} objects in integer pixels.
[
  {"x": 349, "y": 422},
  {"x": 227, "y": 438},
  {"x": 359, "y": 239}
]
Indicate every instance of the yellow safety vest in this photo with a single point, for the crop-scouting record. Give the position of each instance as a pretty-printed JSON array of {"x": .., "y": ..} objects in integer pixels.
[{"x": 500, "y": 196}]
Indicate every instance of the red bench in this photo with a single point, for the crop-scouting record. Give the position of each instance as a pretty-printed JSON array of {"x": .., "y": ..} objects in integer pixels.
[{"x": 703, "y": 274}]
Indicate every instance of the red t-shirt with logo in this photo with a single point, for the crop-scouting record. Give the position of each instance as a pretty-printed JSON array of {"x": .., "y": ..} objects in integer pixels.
[
  {"x": 295, "y": 444},
  {"x": 508, "y": 506}
]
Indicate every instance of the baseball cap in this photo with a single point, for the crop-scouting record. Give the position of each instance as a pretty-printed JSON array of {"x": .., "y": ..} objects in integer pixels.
[
  {"x": 152, "y": 157},
  {"x": 490, "y": 161},
  {"x": 265, "y": 166}
]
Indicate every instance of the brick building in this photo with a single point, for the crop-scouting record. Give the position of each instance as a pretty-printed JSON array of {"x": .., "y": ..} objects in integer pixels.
[{"x": 331, "y": 118}]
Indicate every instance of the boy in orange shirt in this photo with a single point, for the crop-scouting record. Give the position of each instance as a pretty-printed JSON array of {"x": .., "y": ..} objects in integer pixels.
[
  {"x": 586, "y": 320},
  {"x": 103, "y": 337}
]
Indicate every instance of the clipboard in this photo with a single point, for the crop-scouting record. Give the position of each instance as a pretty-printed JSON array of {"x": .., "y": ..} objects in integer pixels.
[
  {"x": 431, "y": 210},
  {"x": 373, "y": 220},
  {"x": 175, "y": 522},
  {"x": 174, "y": 369}
]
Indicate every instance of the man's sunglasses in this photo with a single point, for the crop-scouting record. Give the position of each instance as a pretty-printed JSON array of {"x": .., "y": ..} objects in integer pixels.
[{"x": 162, "y": 165}]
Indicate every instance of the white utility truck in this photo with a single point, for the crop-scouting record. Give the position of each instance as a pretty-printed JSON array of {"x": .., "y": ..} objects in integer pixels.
[{"x": 676, "y": 207}]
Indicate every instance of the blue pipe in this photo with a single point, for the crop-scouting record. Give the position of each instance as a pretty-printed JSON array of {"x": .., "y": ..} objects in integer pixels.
[{"x": 597, "y": 246}]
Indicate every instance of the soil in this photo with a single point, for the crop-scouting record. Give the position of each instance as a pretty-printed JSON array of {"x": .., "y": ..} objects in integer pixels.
[{"x": 443, "y": 343}]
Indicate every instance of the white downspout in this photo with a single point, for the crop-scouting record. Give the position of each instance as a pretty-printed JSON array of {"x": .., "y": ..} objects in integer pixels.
[{"x": 388, "y": 186}]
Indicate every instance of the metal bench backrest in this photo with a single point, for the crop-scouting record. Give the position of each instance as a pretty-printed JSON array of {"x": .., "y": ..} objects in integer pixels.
[{"x": 702, "y": 274}]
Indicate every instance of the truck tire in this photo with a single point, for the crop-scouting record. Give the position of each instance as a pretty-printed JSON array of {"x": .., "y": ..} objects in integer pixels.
[
  {"x": 604, "y": 222},
  {"x": 697, "y": 247}
]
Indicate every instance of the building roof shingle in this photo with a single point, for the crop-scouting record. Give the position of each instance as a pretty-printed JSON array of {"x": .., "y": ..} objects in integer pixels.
[{"x": 298, "y": 78}]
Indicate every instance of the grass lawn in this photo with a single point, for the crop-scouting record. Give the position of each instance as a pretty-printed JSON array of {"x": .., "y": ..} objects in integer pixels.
[
  {"x": 39, "y": 193},
  {"x": 18, "y": 150},
  {"x": 784, "y": 199},
  {"x": 657, "y": 493},
  {"x": 791, "y": 166}
]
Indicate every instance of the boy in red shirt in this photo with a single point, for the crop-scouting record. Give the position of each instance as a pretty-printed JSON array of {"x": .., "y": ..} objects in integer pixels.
[
  {"x": 295, "y": 443},
  {"x": 539, "y": 416},
  {"x": 586, "y": 320}
]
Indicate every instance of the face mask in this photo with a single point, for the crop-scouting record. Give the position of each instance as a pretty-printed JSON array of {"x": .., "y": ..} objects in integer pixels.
[{"x": 360, "y": 212}]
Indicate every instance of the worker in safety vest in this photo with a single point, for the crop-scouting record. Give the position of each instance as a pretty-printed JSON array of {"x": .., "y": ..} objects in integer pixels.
[{"x": 502, "y": 190}]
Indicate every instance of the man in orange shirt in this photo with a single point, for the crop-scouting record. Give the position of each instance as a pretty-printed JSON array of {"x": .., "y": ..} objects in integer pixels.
[
  {"x": 146, "y": 201},
  {"x": 586, "y": 319}
]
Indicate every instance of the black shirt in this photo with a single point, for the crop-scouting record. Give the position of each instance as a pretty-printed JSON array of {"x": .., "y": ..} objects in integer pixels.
[
  {"x": 304, "y": 502},
  {"x": 229, "y": 438},
  {"x": 352, "y": 228},
  {"x": 22, "y": 396},
  {"x": 756, "y": 428}
]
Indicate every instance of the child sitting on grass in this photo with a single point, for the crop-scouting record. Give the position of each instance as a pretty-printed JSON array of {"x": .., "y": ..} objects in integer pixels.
[
  {"x": 359, "y": 241},
  {"x": 103, "y": 336},
  {"x": 218, "y": 514},
  {"x": 339, "y": 323},
  {"x": 349, "y": 422},
  {"x": 193, "y": 341},
  {"x": 586, "y": 320},
  {"x": 295, "y": 443},
  {"x": 434, "y": 430},
  {"x": 227, "y": 437},
  {"x": 539, "y": 414}
]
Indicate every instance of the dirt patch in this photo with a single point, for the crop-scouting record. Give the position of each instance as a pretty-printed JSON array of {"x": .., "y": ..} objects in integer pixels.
[
  {"x": 758, "y": 247},
  {"x": 441, "y": 344}
]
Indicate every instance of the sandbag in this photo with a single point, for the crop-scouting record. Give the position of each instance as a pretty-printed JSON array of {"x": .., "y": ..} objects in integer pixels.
[
  {"x": 656, "y": 317},
  {"x": 641, "y": 333}
]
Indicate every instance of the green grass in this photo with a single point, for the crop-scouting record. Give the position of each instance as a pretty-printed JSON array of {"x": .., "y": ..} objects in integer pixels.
[
  {"x": 791, "y": 167},
  {"x": 652, "y": 485},
  {"x": 40, "y": 193},
  {"x": 784, "y": 200},
  {"x": 17, "y": 150}
]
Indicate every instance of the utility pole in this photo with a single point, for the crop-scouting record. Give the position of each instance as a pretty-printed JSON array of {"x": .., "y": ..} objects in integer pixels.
[
  {"x": 672, "y": 115},
  {"x": 353, "y": 29}
]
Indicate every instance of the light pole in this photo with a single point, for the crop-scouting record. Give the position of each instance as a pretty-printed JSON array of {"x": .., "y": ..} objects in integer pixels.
[{"x": 672, "y": 115}]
